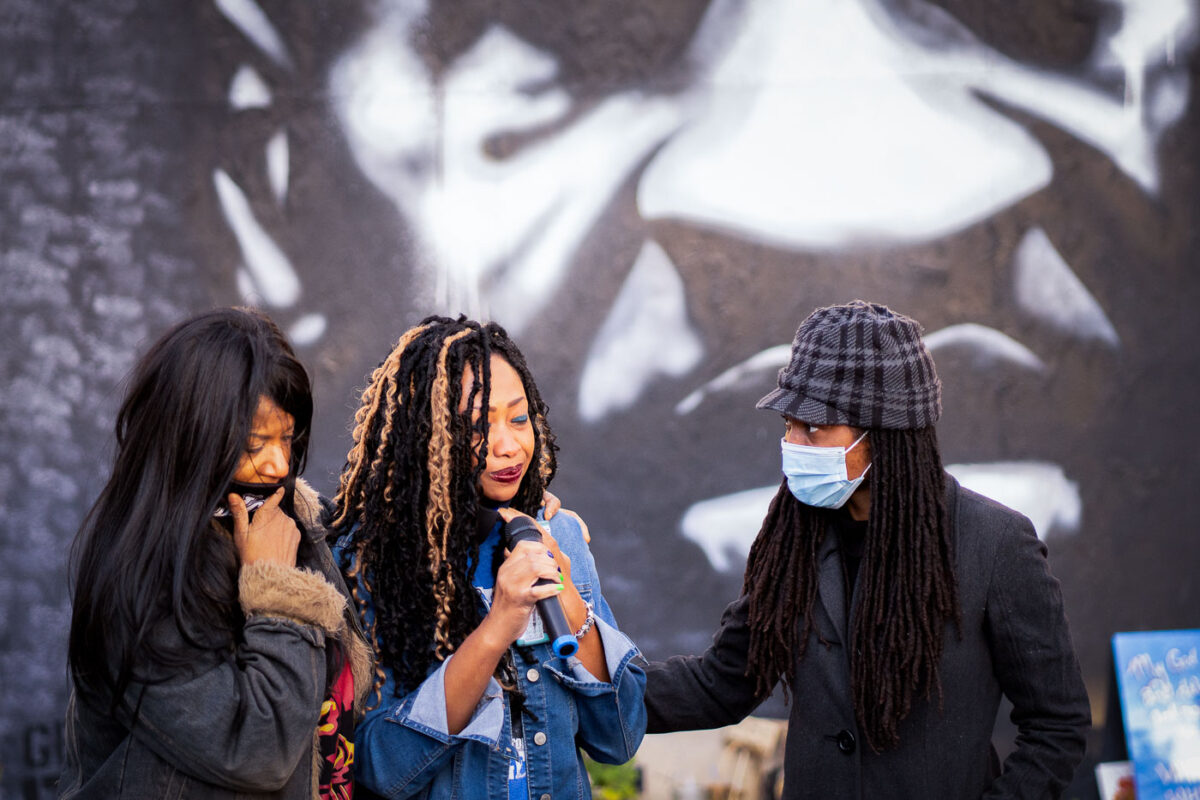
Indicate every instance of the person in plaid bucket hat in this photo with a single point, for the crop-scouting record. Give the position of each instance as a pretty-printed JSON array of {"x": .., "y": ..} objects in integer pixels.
[
  {"x": 894, "y": 605},
  {"x": 862, "y": 365}
]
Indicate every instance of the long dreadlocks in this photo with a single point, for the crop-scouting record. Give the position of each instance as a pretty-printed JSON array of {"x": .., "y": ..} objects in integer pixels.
[
  {"x": 409, "y": 488},
  {"x": 907, "y": 590}
]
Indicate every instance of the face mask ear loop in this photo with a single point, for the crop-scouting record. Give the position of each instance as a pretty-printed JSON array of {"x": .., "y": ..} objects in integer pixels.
[
  {"x": 851, "y": 447},
  {"x": 856, "y": 441}
]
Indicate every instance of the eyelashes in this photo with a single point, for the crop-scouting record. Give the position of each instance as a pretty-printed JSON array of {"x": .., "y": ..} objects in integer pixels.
[
  {"x": 480, "y": 426},
  {"x": 287, "y": 441},
  {"x": 787, "y": 425}
]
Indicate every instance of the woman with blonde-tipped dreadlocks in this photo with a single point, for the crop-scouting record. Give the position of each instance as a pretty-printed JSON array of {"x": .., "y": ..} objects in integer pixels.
[{"x": 470, "y": 699}]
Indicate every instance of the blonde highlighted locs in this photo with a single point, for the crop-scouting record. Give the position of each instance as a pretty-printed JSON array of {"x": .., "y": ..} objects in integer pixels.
[{"x": 409, "y": 488}]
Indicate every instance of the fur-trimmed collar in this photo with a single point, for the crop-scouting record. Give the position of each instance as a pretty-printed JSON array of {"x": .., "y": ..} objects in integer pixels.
[{"x": 308, "y": 509}]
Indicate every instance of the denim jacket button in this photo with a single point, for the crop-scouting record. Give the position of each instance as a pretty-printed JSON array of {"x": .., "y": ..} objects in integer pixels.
[
  {"x": 533, "y": 675},
  {"x": 539, "y": 738},
  {"x": 544, "y": 797}
]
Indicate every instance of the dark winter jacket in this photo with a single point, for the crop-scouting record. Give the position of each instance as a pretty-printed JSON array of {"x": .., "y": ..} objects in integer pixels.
[
  {"x": 234, "y": 726},
  {"x": 1014, "y": 642}
]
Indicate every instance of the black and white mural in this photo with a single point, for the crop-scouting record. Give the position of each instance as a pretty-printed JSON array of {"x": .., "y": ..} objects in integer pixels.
[{"x": 650, "y": 196}]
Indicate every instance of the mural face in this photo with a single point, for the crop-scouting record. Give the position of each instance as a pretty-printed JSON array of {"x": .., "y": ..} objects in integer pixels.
[
  {"x": 650, "y": 200},
  {"x": 869, "y": 127}
]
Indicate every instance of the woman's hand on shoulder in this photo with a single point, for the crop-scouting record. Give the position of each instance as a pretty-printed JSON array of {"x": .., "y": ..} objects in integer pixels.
[
  {"x": 552, "y": 505},
  {"x": 272, "y": 536}
]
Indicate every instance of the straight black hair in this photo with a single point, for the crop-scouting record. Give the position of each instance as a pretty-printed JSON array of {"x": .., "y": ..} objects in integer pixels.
[{"x": 147, "y": 554}]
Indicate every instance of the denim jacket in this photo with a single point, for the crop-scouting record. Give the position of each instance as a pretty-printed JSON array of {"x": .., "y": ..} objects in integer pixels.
[{"x": 403, "y": 748}]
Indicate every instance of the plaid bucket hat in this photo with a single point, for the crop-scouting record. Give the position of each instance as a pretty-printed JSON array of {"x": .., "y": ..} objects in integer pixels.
[{"x": 859, "y": 364}]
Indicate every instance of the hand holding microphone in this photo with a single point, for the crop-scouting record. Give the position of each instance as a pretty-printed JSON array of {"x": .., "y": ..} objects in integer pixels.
[{"x": 554, "y": 620}]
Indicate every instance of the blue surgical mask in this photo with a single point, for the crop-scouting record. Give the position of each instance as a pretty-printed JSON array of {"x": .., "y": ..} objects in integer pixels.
[{"x": 816, "y": 476}]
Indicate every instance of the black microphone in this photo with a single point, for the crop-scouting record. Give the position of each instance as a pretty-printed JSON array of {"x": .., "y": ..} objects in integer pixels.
[{"x": 562, "y": 638}]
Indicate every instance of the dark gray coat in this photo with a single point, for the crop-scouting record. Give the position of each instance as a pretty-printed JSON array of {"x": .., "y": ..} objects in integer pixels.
[
  {"x": 236, "y": 725},
  {"x": 1014, "y": 641}
]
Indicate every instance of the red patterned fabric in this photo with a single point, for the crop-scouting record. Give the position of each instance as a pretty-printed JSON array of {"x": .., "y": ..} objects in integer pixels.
[{"x": 336, "y": 739}]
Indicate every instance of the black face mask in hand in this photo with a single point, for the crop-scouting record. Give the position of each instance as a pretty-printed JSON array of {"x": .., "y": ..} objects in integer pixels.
[{"x": 252, "y": 494}]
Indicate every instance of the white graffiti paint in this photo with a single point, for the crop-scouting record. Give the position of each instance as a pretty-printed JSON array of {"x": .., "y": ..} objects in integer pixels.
[
  {"x": 646, "y": 334},
  {"x": 1149, "y": 31},
  {"x": 497, "y": 232},
  {"x": 248, "y": 90},
  {"x": 1039, "y": 490},
  {"x": 1047, "y": 288},
  {"x": 724, "y": 527},
  {"x": 801, "y": 144},
  {"x": 848, "y": 133},
  {"x": 268, "y": 273},
  {"x": 805, "y": 141},
  {"x": 307, "y": 330},
  {"x": 987, "y": 345},
  {"x": 739, "y": 376},
  {"x": 249, "y": 18},
  {"x": 278, "y": 165}
]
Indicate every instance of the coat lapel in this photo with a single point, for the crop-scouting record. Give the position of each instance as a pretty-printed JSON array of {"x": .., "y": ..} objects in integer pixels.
[
  {"x": 830, "y": 584},
  {"x": 831, "y": 589}
]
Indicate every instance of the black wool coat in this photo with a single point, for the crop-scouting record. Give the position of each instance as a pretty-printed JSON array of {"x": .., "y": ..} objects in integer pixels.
[{"x": 1014, "y": 641}]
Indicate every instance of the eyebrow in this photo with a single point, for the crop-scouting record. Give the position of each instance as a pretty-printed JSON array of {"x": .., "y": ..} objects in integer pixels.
[
  {"x": 289, "y": 432},
  {"x": 511, "y": 403}
]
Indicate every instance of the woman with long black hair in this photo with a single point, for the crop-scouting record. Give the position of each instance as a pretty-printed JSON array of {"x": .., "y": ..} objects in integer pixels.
[
  {"x": 212, "y": 648},
  {"x": 472, "y": 700}
]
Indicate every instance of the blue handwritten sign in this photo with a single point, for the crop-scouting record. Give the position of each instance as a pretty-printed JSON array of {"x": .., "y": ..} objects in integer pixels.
[{"x": 1158, "y": 676}]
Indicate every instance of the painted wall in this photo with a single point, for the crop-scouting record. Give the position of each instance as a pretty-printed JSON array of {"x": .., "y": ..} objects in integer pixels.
[{"x": 650, "y": 196}]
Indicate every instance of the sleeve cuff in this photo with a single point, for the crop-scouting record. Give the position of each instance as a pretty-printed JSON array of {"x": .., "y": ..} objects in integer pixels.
[
  {"x": 271, "y": 589},
  {"x": 619, "y": 649},
  {"x": 428, "y": 711}
]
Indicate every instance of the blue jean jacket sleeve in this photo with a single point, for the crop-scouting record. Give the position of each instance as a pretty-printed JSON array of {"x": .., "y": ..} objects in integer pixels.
[
  {"x": 612, "y": 716},
  {"x": 404, "y": 743},
  {"x": 428, "y": 711}
]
